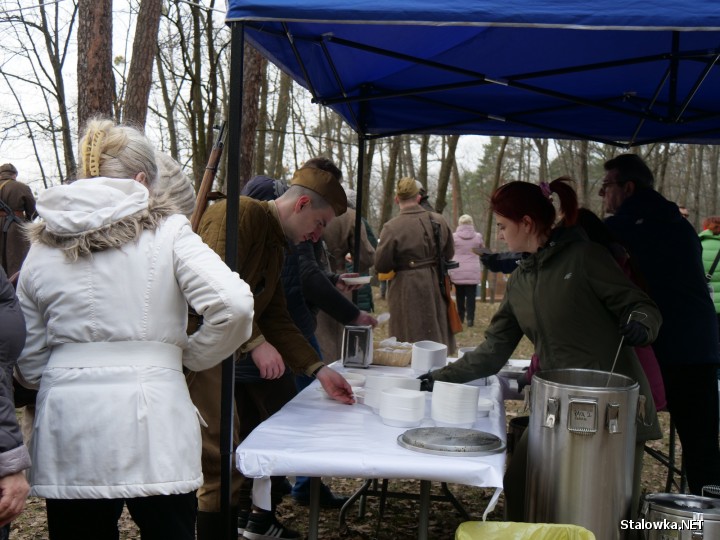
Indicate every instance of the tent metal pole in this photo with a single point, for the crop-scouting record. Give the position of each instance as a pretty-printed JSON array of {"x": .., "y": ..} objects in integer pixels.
[
  {"x": 359, "y": 205},
  {"x": 227, "y": 394}
]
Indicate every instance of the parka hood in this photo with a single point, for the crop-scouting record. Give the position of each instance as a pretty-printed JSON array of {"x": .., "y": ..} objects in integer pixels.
[
  {"x": 90, "y": 204},
  {"x": 95, "y": 214},
  {"x": 466, "y": 231},
  {"x": 559, "y": 239}
]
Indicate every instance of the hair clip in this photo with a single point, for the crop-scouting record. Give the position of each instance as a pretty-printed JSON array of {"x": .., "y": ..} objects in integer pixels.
[{"x": 546, "y": 191}]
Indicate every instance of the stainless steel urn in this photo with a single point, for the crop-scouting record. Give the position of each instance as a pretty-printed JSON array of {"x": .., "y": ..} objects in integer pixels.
[
  {"x": 581, "y": 445},
  {"x": 679, "y": 517}
]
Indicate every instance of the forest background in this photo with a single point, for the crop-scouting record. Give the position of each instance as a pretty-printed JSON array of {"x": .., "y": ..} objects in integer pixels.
[{"x": 164, "y": 65}]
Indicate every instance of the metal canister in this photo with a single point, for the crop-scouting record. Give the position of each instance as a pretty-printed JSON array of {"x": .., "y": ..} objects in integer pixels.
[
  {"x": 679, "y": 517},
  {"x": 581, "y": 447}
]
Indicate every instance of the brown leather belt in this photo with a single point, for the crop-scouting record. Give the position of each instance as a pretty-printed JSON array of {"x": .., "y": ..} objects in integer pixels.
[
  {"x": 414, "y": 265},
  {"x": 18, "y": 213}
]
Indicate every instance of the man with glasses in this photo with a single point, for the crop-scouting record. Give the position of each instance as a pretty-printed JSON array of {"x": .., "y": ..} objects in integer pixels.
[{"x": 667, "y": 251}]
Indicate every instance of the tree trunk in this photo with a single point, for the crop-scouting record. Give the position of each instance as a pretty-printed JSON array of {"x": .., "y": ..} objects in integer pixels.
[
  {"x": 141, "y": 66},
  {"x": 714, "y": 179},
  {"x": 367, "y": 170},
  {"x": 202, "y": 145},
  {"x": 94, "y": 65},
  {"x": 390, "y": 180},
  {"x": 489, "y": 223},
  {"x": 542, "y": 148},
  {"x": 457, "y": 195},
  {"x": 445, "y": 170},
  {"x": 262, "y": 131},
  {"x": 56, "y": 55},
  {"x": 169, "y": 110},
  {"x": 584, "y": 177},
  {"x": 277, "y": 146},
  {"x": 252, "y": 76},
  {"x": 408, "y": 155},
  {"x": 660, "y": 176},
  {"x": 422, "y": 174},
  {"x": 697, "y": 187}
]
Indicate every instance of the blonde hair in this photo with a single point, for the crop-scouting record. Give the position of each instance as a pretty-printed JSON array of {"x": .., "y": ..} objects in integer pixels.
[
  {"x": 465, "y": 220},
  {"x": 174, "y": 183},
  {"x": 115, "y": 151}
]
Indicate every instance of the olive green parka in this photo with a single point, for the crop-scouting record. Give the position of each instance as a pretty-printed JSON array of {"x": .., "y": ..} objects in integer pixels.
[{"x": 570, "y": 299}]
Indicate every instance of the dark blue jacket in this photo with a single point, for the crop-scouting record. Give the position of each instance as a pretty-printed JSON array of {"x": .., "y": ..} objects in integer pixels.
[
  {"x": 668, "y": 254},
  {"x": 14, "y": 456}
]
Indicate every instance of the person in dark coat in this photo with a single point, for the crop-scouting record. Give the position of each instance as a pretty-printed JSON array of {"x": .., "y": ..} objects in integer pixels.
[
  {"x": 339, "y": 238},
  {"x": 14, "y": 456},
  {"x": 668, "y": 254},
  {"x": 17, "y": 206}
]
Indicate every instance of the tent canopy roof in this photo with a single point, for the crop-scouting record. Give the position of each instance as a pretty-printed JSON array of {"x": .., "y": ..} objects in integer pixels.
[{"x": 634, "y": 72}]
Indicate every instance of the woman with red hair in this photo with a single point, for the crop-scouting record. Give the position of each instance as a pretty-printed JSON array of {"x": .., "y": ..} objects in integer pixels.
[
  {"x": 571, "y": 299},
  {"x": 710, "y": 241}
]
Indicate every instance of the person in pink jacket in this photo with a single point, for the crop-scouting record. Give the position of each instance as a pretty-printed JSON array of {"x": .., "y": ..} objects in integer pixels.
[{"x": 467, "y": 276}]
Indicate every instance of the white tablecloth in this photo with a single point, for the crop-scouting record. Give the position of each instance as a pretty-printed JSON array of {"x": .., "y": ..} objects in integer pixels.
[{"x": 315, "y": 436}]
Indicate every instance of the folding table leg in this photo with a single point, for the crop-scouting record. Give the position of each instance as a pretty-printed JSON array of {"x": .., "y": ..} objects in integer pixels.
[
  {"x": 314, "y": 508},
  {"x": 354, "y": 497},
  {"x": 424, "y": 510},
  {"x": 383, "y": 500}
]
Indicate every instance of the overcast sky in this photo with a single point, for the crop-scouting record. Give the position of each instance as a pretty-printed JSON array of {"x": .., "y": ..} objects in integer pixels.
[{"x": 21, "y": 153}]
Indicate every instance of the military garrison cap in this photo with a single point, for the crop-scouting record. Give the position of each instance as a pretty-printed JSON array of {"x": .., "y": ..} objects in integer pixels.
[{"x": 323, "y": 183}]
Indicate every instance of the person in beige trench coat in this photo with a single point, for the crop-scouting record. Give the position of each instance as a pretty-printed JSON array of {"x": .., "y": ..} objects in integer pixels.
[{"x": 407, "y": 247}]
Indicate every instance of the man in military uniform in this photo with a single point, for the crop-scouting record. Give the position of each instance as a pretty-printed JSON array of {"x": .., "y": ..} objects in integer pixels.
[
  {"x": 17, "y": 206},
  {"x": 408, "y": 246},
  {"x": 314, "y": 198}
]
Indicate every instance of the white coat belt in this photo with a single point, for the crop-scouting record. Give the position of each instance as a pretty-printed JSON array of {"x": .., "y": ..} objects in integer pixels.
[{"x": 116, "y": 353}]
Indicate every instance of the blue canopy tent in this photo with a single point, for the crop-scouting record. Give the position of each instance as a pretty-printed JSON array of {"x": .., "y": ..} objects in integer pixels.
[{"x": 621, "y": 72}]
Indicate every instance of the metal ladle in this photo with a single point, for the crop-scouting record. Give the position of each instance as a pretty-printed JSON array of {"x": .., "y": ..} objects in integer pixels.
[{"x": 636, "y": 316}]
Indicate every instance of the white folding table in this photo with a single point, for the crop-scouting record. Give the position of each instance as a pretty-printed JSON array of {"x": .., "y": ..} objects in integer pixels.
[{"x": 315, "y": 436}]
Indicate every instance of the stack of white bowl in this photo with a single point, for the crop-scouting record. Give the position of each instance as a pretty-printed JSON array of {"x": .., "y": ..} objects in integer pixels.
[
  {"x": 401, "y": 407},
  {"x": 427, "y": 355},
  {"x": 454, "y": 404},
  {"x": 375, "y": 384}
]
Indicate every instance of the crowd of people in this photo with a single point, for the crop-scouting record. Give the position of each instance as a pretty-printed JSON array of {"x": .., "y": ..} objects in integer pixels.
[{"x": 122, "y": 316}]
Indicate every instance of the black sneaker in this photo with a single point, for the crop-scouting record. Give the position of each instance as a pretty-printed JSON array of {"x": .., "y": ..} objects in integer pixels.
[
  {"x": 265, "y": 526},
  {"x": 243, "y": 516}
]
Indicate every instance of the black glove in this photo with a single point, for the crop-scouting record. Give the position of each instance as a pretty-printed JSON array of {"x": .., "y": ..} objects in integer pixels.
[
  {"x": 504, "y": 263},
  {"x": 426, "y": 381},
  {"x": 635, "y": 333},
  {"x": 522, "y": 381}
]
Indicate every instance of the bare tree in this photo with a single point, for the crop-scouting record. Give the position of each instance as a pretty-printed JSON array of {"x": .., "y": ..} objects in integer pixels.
[
  {"x": 54, "y": 123},
  {"x": 254, "y": 65},
  {"x": 422, "y": 174},
  {"x": 94, "y": 66},
  {"x": 141, "y": 66},
  {"x": 277, "y": 146},
  {"x": 450, "y": 143},
  {"x": 263, "y": 125},
  {"x": 389, "y": 183}
]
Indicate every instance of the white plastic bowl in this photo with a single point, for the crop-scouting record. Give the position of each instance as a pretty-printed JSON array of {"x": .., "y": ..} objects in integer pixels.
[{"x": 354, "y": 379}]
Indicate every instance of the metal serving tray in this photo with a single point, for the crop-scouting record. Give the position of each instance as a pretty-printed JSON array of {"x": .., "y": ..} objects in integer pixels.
[{"x": 451, "y": 441}]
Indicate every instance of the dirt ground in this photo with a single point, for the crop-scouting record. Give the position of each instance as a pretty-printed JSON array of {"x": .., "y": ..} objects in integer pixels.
[{"x": 399, "y": 520}]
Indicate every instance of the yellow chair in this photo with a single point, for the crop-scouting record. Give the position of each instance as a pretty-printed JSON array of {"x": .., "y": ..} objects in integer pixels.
[{"x": 504, "y": 530}]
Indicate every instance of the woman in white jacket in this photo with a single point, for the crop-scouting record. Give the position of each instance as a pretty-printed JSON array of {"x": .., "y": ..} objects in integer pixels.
[{"x": 104, "y": 290}]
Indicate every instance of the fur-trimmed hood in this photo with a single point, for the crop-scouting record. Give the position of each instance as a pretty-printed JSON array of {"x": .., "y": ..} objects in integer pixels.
[{"x": 95, "y": 214}]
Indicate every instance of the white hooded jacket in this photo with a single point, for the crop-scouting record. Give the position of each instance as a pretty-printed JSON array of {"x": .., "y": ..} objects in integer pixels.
[{"x": 107, "y": 341}]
